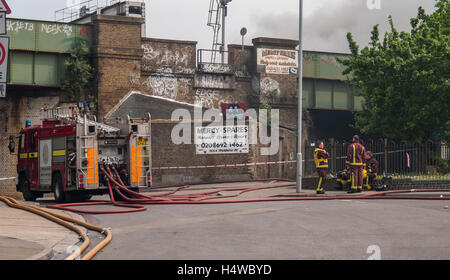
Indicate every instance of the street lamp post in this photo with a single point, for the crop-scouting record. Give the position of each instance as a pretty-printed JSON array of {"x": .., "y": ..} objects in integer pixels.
[{"x": 300, "y": 105}]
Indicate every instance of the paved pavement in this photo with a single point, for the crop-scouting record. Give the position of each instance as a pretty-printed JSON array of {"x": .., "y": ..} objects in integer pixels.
[
  {"x": 339, "y": 229},
  {"x": 24, "y": 235}
]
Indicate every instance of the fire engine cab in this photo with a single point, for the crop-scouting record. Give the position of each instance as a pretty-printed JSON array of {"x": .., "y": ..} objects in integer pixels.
[{"x": 67, "y": 152}]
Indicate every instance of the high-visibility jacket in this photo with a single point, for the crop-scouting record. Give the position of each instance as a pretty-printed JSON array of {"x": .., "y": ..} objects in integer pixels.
[
  {"x": 321, "y": 158},
  {"x": 356, "y": 155},
  {"x": 372, "y": 165}
]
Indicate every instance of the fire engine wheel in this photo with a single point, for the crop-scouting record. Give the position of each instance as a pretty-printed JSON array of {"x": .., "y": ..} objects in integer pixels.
[
  {"x": 24, "y": 185},
  {"x": 57, "y": 187}
]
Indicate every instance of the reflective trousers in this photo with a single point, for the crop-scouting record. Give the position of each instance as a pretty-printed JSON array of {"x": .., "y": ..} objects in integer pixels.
[
  {"x": 322, "y": 172},
  {"x": 356, "y": 177}
]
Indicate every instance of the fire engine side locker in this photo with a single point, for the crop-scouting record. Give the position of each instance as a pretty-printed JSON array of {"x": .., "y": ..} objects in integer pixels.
[
  {"x": 140, "y": 154},
  {"x": 87, "y": 156},
  {"x": 45, "y": 163}
]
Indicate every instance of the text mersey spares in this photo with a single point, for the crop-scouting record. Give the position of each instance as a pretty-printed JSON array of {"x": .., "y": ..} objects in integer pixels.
[{"x": 222, "y": 140}]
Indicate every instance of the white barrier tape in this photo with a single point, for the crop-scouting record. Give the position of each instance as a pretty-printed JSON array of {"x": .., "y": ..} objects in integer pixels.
[
  {"x": 251, "y": 164},
  {"x": 382, "y": 153},
  {"x": 225, "y": 165},
  {"x": 5, "y": 179}
]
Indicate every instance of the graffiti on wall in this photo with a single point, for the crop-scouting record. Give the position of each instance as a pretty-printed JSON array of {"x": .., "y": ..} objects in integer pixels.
[
  {"x": 269, "y": 86},
  {"x": 164, "y": 85},
  {"x": 55, "y": 29},
  {"x": 213, "y": 81},
  {"x": 178, "y": 61},
  {"x": 17, "y": 26},
  {"x": 209, "y": 98},
  {"x": 216, "y": 68},
  {"x": 46, "y": 28}
]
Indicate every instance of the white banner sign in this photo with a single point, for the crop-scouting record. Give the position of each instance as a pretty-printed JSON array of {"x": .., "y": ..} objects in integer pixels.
[
  {"x": 4, "y": 45},
  {"x": 221, "y": 140},
  {"x": 278, "y": 61}
]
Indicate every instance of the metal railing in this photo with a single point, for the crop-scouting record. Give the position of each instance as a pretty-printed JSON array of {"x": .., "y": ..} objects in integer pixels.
[
  {"x": 212, "y": 56},
  {"x": 429, "y": 161},
  {"x": 83, "y": 8}
]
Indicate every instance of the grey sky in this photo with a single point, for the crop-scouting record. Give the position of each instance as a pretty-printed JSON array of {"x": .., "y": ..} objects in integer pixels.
[{"x": 326, "y": 22}]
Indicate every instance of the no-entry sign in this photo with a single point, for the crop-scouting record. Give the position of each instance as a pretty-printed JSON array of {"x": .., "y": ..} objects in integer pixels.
[{"x": 4, "y": 47}]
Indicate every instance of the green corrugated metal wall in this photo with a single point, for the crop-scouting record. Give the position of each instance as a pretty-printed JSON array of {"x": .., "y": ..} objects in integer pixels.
[
  {"x": 324, "y": 86},
  {"x": 320, "y": 65},
  {"x": 329, "y": 94},
  {"x": 38, "y": 50}
]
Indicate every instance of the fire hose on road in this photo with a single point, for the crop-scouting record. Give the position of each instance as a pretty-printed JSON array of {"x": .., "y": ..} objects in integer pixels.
[
  {"x": 123, "y": 197},
  {"x": 67, "y": 222},
  {"x": 136, "y": 201}
]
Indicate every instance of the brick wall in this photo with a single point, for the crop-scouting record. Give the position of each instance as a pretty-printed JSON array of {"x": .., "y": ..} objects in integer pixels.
[
  {"x": 20, "y": 105},
  {"x": 117, "y": 54},
  {"x": 167, "y": 154}
]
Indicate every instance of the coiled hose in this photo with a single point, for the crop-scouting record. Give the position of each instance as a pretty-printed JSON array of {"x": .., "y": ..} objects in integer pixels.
[{"x": 67, "y": 222}]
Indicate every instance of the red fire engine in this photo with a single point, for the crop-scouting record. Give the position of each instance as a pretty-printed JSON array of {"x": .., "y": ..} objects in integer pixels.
[{"x": 68, "y": 152}]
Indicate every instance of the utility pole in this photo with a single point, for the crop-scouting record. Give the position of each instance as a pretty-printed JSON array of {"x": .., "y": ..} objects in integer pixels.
[
  {"x": 224, "y": 16},
  {"x": 224, "y": 8},
  {"x": 300, "y": 105}
]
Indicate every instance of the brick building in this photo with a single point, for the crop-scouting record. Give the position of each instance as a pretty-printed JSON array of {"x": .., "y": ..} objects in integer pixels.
[{"x": 179, "y": 75}]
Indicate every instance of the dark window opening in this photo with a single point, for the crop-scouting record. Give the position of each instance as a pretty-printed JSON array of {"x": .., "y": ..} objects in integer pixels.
[{"x": 135, "y": 10}]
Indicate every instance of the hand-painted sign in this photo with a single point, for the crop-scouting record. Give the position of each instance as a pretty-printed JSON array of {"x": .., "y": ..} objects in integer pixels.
[{"x": 276, "y": 61}]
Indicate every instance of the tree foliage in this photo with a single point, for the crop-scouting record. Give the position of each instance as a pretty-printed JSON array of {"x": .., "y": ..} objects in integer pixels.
[
  {"x": 78, "y": 70},
  {"x": 405, "y": 79}
]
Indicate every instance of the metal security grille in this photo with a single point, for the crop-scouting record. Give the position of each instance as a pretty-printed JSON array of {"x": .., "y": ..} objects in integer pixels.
[{"x": 427, "y": 163}]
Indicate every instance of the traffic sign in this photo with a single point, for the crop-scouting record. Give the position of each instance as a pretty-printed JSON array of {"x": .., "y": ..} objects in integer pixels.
[
  {"x": 4, "y": 7},
  {"x": 4, "y": 47}
]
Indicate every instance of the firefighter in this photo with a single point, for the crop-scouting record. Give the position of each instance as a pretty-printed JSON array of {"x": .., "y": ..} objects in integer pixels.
[
  {"x": 355, "y": 161},
  {"x": 344, "y": 178},
  {"x": 321, "y": 159},
  {"x": 372, "y": 169}
]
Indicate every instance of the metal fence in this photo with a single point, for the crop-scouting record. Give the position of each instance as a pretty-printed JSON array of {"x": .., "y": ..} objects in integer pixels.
[
  {"x": 82, "y": 8},
  {"x": 425, "y": 161},
  {"x": 212, "y": 57}
]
